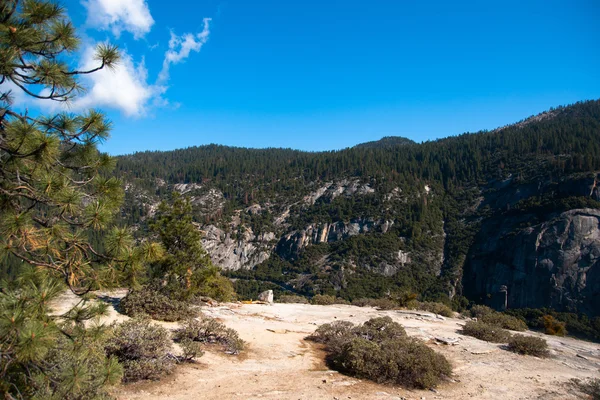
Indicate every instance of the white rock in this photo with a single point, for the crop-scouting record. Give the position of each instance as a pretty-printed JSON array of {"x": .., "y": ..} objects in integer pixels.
[{"x": 266, "y": 296}]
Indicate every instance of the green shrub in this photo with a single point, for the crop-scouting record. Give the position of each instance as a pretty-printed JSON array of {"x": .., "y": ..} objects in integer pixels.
[
  {"x": 479, "y": 311},
  {"x": 493, "y": 317},
  {"x": 327, "y": 300},
  {"x": 144, "y": 349},
  {"x": 404, "y": 298},
  {"x": 363, "y": 302},
  {"x": 529, "y": 345},
  {"x": 190, "y": 349},
  {"x": 552, "y": 326},
  {"x": 486, "y": 332},
  {"x": 292, "y": 298},
  {"x": 380, "y": 329},
  {"x": 505, "y": 321},
  {"x": 403, "y": 361},
  {"x": 212, "y": 284},
  {"x": 434, "y": 307},
  {"x": 381, "y": 351},
  {"x": 382, "y": 304},
  {"x": 327, "y": 332},
  {"x": 209, "y": 331},
  {"x": 150, "y": 302},
  {"x": 578, "y": 325}
]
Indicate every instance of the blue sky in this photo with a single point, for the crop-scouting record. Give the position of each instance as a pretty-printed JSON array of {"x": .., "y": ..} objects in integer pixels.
[{"x": 319, "y": 75}]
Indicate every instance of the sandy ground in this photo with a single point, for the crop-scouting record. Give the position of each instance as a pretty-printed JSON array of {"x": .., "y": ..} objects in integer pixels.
[{"x": 280, "y": 364}]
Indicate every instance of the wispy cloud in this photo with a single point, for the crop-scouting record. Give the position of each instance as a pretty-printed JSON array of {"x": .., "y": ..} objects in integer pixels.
[
  {"x": 180, "y": 48},
  {"x": 120, "y": 15}
]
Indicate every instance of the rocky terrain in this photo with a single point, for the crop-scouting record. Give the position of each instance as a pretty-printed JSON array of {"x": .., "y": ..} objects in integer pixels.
[{"x": 280, "y": 364}]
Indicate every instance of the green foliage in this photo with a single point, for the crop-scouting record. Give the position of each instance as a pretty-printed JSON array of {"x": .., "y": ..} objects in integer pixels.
[
  {"x": 553, "y": 327},
  {"x": 327, "y": 333},
  {"x": 505, "y": 321},
  {"x": 479, "y": 311},
  {"x": 143, "y": 348},
  {"x": 380, "y": 350},
  {"x": 49, "y": 357},
  {"x": 247, "y": 289},
  {"x": 212, "y": 284},
  {"x": 436, "y": 308},
  {"x": 185, "y": 263},
  {"x": 382, "y": 304},
  {"x": 209, "y": 331},
  {"x": 150, "y": 301},
  {"x": 292, "y": 298},
  {"x": 528, "y": 345},
  {"x": 486, "y": 332},
  {"x": 191, "y": 349},
  {"x": 326, "y": 300},
  {"x": 579, "y": 325},
  {"x": 496, "y": 318}
]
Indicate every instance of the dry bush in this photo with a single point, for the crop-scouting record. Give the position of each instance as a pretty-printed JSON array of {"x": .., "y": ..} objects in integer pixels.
[
  {"x": 142, "y": 348},
  {"x": 401, "y": 361},
  {"x": 381, "y": 351},
  {"x": 590, "y": 387},
  {"x": 292, "y": 298},
  {"x": 529, "y": 345},
  {"x": 150, "y": 302},
  {"x": 328, "y": 332},
  {"x": 493, "y": 317},
  {"x": 382, "y": 304},
  {"x": 327, "y": 300},
  {"x": 434, "y": 307},
  {"x": 209, "y": 331},
  {"x": 505, "y": 321},
  {"x": 553, "y": 326},
  {"x": 486, "y": 332},
  {"x": 190, "y": 349},
  {"x": 479, "y": 311}
]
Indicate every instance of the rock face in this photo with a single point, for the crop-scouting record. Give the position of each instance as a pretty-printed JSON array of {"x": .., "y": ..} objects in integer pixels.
[
  {"x": 229, "y": 252},
  {"x": 552, "y": 264},
  {"x": 291, "y": 244}
]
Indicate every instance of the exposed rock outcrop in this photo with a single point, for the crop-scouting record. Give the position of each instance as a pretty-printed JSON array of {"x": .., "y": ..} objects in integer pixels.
[
  {"x": 232, "y": 252},
  {"x": 552, "y": 264},
  {"x": 344, "y": 187},
  {"x": 291, "y": 244}
]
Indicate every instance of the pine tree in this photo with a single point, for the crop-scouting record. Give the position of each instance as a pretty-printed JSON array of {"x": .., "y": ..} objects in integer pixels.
[
  {"x": 186, "y": 268},
  {"x": 55, "y": 194}
]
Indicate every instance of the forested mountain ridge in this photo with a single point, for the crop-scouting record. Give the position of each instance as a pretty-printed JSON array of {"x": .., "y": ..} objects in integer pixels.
[
  {"x": 387, "y": 141},
  {"x": 514, "y": 208}
]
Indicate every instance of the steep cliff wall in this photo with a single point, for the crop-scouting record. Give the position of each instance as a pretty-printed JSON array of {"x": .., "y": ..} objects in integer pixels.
[{"x": 551, "y": 264}]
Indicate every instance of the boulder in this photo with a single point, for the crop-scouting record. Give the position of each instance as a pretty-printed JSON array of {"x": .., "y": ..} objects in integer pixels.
[{"x": 266, "y": 296}]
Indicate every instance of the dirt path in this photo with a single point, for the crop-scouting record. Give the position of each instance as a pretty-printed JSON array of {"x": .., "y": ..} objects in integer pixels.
[{"x": 279, "y": 364}]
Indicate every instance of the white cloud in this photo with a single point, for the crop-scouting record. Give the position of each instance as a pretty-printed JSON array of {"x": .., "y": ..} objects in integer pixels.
[
  {"x": 120, "y": 15},
  {"x": 180, "y": 48},
  {"x": 125, "y": 87}
]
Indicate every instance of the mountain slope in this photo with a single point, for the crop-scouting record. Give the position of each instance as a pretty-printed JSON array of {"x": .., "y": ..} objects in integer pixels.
[{"x": 439, "y": 218}]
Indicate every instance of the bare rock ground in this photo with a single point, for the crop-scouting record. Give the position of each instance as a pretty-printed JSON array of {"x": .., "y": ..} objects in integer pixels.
[{"x": 279, "y": 364}]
